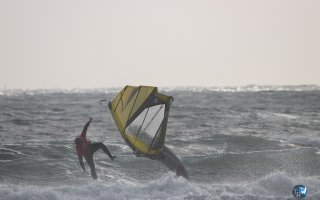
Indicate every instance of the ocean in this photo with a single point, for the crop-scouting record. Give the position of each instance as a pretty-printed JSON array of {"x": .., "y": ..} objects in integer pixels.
[{"x": 247, "y": 143}]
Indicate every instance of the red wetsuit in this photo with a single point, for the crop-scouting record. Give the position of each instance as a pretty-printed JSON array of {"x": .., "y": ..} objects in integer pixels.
[{"x": 83, "y": 149}]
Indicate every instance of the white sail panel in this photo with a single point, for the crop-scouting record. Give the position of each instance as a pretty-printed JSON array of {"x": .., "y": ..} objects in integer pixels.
[{"x": 146, "y": 125}]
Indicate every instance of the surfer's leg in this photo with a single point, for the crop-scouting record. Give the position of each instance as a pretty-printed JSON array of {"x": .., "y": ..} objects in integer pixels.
[
  {"x": 90, "y": 162},
  {"x": 106, "y": 150},
  {"x": 97, "y": 145}
]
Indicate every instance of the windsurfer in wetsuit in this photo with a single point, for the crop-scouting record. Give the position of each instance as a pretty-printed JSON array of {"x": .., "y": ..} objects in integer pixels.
[{"x": 86, "y": 149}]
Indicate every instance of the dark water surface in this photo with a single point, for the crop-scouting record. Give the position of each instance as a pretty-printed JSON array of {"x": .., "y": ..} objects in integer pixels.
[{"x": 247, "y": 143}]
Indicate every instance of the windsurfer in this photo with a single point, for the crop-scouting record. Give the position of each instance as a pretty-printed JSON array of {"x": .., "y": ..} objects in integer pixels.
[{"x": 86, "y": 149}]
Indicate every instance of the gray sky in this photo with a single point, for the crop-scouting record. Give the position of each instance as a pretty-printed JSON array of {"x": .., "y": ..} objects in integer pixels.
[{"x": 90, "y": 44}]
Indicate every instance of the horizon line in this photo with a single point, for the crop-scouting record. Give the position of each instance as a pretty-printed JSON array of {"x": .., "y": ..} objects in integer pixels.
[{"x": 248, "y": 87}]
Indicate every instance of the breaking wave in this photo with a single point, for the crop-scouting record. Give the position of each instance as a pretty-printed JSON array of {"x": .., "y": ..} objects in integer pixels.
[{"x": 273, "y": 186}]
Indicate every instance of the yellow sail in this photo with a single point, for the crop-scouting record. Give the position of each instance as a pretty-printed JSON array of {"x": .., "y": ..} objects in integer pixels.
[{"x": 141, "y": 115}]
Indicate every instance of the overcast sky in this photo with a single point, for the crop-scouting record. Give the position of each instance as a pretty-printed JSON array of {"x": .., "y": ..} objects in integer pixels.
[{"x": 94, "y": 44}]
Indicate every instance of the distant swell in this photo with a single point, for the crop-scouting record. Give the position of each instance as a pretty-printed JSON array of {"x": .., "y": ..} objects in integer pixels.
[
  {"x": 245, "y": 88},
  {"x": 305, "y": 141}
]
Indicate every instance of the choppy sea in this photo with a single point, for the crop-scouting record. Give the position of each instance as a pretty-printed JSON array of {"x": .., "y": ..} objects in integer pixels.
[{"x": 253, "y": 142}]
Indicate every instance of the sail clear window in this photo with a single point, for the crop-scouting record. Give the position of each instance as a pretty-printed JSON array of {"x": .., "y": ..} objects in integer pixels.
[{"x": 147, "y": 124}]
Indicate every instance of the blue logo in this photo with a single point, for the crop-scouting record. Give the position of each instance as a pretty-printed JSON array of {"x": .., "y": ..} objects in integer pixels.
[{"x": 299, "y": 191}]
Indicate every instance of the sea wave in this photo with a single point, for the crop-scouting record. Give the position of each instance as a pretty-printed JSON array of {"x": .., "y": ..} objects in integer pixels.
[
  {"x": 310, "y": 141},
  {"x": 277, "y": 185}
]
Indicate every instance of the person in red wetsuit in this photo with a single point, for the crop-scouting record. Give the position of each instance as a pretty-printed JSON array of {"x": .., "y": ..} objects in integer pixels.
[{"x": 86, "y": 149}]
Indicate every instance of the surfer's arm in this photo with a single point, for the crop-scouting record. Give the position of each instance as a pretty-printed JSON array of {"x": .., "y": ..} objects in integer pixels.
[
  {"x": 81, "y": 163},
  {"x": 85, "y": 128}
]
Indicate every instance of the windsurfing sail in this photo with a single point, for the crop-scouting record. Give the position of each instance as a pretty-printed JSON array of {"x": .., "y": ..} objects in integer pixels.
[{"x": 141, "y": 115}]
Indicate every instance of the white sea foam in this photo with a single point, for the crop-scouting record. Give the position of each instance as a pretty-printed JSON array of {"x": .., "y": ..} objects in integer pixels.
[
  {"x": 246, "y": 88},
  {"x": 282, "y": 115},
  {"x": 276, "y": 116},
  {"x": 276, "y": 185},
  {"x": 31, "y": 92},
  {"x": 273, "y": 186}
]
